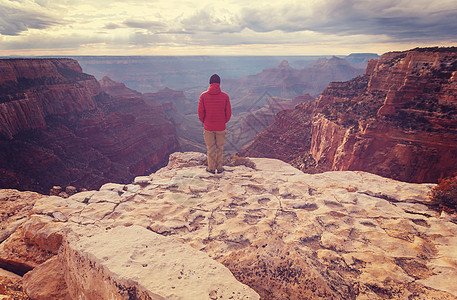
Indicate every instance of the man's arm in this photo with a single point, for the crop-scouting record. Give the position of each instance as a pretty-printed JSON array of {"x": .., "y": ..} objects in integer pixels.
[
  {"x": 201, "y": 109},
  {"x": 228, "y": 110}
]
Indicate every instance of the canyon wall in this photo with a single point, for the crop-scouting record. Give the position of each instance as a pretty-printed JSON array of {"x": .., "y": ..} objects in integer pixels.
[
  {"x": 59, "y": 127},
  {"x": 398, "y": 120},
  {"x": 31, "y": 90}
]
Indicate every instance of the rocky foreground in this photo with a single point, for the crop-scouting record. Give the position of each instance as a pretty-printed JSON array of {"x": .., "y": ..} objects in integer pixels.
[{"x": 283, "y": 234}]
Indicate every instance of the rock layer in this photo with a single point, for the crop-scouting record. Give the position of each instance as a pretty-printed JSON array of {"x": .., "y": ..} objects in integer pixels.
[
  {"x": 132, "y": 263},
  {"x": 399, "y": 120},
  {"x": 58, "y": 127},
  {"x": 139, "y": 264},
  {"x": 284, "y": 233}
]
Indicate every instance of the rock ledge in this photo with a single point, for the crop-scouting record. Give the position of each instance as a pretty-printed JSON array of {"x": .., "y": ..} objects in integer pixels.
[{"x": 283, "y": 233}]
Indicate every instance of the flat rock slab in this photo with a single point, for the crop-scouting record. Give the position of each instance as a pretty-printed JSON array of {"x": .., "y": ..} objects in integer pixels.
[{"x": 136, "y": 262}]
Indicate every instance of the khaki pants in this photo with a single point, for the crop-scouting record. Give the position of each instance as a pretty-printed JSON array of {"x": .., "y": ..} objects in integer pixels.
[{"x": 214, "y": 139}]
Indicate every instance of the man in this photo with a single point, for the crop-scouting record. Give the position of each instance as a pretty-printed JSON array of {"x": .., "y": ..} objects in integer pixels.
[{"x": 214, "y": 111}]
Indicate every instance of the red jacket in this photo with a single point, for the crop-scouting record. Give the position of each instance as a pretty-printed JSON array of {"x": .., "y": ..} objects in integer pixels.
[{"x": 214, "y": 108}]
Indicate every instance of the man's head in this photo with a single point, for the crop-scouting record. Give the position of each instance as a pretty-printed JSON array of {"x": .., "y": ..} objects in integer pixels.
[{"x": 214, "y": 79}]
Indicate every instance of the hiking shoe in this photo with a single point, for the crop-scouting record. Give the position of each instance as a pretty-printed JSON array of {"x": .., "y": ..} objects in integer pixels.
[
  {"x": 220, "y": 170},
  {"x": 211, "y": 171}
]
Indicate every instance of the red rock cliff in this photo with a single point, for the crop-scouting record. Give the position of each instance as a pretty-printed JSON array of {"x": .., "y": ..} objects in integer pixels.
[
  {"x": 399, "y": 120},
  {"x": 31, "y": 90},
  {"x": 58, "y": 127}
]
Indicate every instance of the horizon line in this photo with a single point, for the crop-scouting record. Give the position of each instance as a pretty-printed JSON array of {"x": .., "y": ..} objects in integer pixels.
[{"x": 193, "y": 55}]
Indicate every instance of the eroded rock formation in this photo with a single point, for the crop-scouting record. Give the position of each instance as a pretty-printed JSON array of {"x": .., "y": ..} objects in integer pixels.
[
  {"x": 287, "y": 82},
  {"x": 183, "y": 114},
  {"x": 283, "y": 233},
  {"x": 244, "y": 126},
  {"x": 399, "y": 120},
  {"x": 57, "y": 127}
]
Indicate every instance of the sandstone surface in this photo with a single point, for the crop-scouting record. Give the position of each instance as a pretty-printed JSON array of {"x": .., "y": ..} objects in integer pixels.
[
  {"x": 58, "y": 127},
  {"x": 398, "y": 120},
  {"x": 132, "y": 263},
  {"x": 284, "y": 233},
  {"x": 14, "y": 210},
  {"x": 15, "y": 207},
  {"x": 11, "y": 287}
]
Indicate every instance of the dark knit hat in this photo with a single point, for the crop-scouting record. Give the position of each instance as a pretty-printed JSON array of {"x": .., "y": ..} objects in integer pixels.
[{"x": 214, "y": 79}]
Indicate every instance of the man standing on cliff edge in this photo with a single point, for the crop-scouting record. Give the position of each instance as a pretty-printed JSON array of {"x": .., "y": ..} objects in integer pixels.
[{"x": 214, "y": 110}]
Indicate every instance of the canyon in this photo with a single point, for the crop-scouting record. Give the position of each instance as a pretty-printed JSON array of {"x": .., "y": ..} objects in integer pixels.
[
  {"x": 259, "y": 87},
  {"x": 398, "y": 120},
  {"x": 58, "y": 126},
  {"x": 259, "y": 230},
  {"x": 331, "y": 203},
  {"x": 255, "y": 98}
]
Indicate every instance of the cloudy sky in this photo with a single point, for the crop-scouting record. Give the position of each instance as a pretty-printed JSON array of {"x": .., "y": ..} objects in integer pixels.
[{"x": 226, "y": 27}]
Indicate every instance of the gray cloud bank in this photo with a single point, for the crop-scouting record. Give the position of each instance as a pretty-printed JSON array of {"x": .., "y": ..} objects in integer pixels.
[
  {"x": 412, "y": 20},
  {"x": 14, "y": 21},
  {"x": 394, "y": 21}
]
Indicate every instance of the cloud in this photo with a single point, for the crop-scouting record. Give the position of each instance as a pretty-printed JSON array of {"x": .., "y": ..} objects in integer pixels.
[
  {"x": 46, "y": 41},
  {"x": 153, "y": 26},
  {"x": 440, "y": 25},
  {"x": 138, "y": 24},
  {"x": 112, "y": 26},
  {"x": 397, "y": 19},
  {"x": 212, "y": 20},
  {"x": 148, "y": 39},
  {"x": 15, "y": 19},
  {"x": 145, "y": 24}
]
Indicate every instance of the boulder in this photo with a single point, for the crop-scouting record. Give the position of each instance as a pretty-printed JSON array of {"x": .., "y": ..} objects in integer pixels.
[
  {"x": 14, "y": 209},
  {"x": 136, "y": 263},
  {"x": 47, "y": 281}
]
